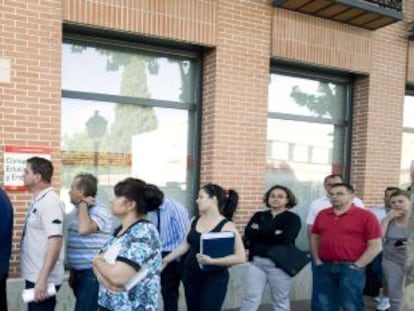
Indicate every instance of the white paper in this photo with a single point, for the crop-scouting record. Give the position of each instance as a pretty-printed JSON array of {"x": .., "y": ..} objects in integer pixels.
[
  {"x": 138, "y": 277},
  {"x": 28, "y": 294},
  {"x": 110, "y": 257}
]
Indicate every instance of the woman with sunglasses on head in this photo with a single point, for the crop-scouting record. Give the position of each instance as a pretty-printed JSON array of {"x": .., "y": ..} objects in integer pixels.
[{"x": 205, "y": 290}]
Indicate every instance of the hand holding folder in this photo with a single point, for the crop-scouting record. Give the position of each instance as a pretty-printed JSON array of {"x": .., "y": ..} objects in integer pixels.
[{"x": 216, "y": 245}]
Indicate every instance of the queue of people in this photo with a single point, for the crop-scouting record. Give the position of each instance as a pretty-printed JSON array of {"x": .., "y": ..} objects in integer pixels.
[{"x": 156, "y": 246}]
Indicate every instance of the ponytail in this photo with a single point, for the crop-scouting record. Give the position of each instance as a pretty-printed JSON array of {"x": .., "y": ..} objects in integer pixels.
[
  {"x": 230, "y": 204},
  {"x": 227, "y": 199}
]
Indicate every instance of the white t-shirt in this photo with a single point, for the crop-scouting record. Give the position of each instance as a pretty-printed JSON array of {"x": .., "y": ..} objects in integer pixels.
[
  {"x": 380, "y": 212},
  {"x": 324, "y": 203},
  {"x": 43, "y": 220}
]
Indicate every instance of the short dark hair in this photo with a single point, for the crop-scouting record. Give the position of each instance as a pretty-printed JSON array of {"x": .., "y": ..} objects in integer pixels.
[
  {"x": 391, "y": 188},
  {"x": 330, "y": 176},
  {"x": 348, "y": 187},
  {"x": 227, "y": 200},
  {"x": 41, "y": 166},
  {"x": 147, "y": 197},
  {"x": 87, "y": 183},
  {"x": 292, "y": 201}
]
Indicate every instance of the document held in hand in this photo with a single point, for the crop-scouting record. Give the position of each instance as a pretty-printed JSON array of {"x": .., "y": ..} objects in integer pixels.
[
  {"x": 216, "y": 244},
  {"x": 110, "y": 257}
]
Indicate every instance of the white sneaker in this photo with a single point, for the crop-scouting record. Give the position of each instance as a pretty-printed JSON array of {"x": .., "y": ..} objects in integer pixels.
[{"x": 383, "y": 304}]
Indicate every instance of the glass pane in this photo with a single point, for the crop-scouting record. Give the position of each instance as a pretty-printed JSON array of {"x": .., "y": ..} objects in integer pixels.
[
  {"x": 407, "y": 157},
  {"x": 301, "y": 162},
  {"x": 115, "y": 141},
  {"x": 306, "y": 97},
  {"x": 408, "y": 120},
  {"x": 119, "y": 72}
]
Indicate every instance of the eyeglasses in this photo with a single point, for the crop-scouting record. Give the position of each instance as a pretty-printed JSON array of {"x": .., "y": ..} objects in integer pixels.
[{"x": 337, "y": 194}]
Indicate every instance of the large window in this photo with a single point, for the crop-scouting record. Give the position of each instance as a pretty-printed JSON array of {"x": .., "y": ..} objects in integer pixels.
[
  {"x": 407, "y": 152},
  {"x": 307, "y": 135},
  {"x": 129, "y": 111}
]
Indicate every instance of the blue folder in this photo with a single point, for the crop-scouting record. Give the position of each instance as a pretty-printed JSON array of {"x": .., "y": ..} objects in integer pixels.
[{"x": 215, "y": 245}]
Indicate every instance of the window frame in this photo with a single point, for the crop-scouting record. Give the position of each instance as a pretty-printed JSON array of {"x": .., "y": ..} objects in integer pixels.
[
  {"x": 110, "y": 39},
  {"x": 322, "y": 75}
]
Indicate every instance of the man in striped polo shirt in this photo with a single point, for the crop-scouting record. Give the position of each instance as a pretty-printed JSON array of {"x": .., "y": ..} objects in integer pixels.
[{"x": 89, "y": 227}]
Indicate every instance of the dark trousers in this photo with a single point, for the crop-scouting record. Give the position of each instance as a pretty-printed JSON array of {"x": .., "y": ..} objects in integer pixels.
[
  {"x": 206, "y": 291},
  {"x": 85, "y": 288},
  {"x": 3, "y": 293},
  {"x": 46, "y": 305},
  {"x": 170, "y": 283}
]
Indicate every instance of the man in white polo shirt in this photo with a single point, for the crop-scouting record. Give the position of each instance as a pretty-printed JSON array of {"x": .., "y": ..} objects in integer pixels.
[
  {"x": 41, "y": 248},
  {"x": 317, "y": 206}
]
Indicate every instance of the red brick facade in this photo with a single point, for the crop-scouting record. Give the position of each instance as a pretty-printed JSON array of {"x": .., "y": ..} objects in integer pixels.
[{"x": 242, "y": 37}]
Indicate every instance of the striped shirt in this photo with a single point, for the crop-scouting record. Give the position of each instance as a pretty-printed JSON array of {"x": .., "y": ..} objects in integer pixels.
[
  {"x": 81, "y": 249},
  {"x": 172, "y": 223}
]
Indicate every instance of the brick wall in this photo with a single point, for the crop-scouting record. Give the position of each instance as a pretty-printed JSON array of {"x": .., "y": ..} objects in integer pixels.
[
  {"x": 376, "y": 147},
  {"x": 409, "y": 17},
  {"x": 184, "y": 20},
  {"x": 312, "y": 40},
  {"x": 30, "y": 41},
  {"x": 235, "y": 102}
]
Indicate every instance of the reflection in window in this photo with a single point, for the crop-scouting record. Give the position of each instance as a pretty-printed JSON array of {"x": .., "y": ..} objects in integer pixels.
[
  {"x": 407, "y": 150},
  {"x": 305, "y": 97},
  {"x": 305, "y": 137},
  {"x": 113, "y": 139},
  {"x": 121, "y": 72}
]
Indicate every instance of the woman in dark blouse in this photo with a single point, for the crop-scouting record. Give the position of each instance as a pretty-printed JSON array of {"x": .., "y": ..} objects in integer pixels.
[{"x": 274, "y": 226}]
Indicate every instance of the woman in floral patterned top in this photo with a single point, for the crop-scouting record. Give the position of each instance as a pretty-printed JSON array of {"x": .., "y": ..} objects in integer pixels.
[{"x": 129, "y": 264}]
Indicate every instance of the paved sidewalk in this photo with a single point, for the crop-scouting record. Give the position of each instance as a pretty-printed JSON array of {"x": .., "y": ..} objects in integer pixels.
[{"x": 304, "y": 305}]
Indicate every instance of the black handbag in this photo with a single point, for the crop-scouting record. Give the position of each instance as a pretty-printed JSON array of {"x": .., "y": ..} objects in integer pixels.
[{"x": 289, "y": 258}]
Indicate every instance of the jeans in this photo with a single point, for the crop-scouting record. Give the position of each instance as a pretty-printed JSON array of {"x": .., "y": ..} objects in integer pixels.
[
  {"x": 315, "y": 304},
  {"x": 85, "y": 287},
  {"x": 46, "y": 305},
  {"x": 340, "y": 285},
  {"x": 260, "y": 272}
]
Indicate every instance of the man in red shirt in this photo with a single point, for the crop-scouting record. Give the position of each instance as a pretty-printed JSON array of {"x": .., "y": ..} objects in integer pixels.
[{"x": 344, "y": 240}]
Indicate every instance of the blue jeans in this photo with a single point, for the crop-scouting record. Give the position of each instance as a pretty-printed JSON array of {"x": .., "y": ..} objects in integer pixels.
[
  {"x": 315, "y": 304},
  {"x": 85, "y": 287},
  {"x": 340, "y": 285}
]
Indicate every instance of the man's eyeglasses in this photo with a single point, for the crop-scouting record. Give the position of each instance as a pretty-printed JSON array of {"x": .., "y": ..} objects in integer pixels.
[{"x": 336, "y": 194}]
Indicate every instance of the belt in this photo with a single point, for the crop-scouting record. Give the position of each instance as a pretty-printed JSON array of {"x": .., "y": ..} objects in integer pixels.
[{"x": 335, "y": 262}]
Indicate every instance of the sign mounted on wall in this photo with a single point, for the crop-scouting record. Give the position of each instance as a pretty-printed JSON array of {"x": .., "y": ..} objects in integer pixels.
[{"x": 15, "y": 162}]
